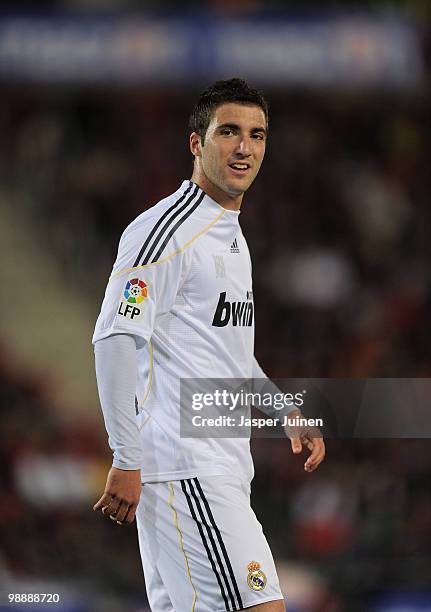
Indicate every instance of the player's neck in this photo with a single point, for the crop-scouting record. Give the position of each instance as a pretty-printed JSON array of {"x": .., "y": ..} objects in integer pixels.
[{"x": 215, "y": 193}]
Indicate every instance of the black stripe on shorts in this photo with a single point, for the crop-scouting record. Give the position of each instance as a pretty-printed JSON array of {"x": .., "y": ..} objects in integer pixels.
[
  {"x": 209, "y": 544},
  {"x": 220, "y": 539},
  {"x": 214, "y": 545}
]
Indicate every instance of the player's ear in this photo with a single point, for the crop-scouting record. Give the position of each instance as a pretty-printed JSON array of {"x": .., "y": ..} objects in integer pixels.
[{"x": 195, "y": 144}]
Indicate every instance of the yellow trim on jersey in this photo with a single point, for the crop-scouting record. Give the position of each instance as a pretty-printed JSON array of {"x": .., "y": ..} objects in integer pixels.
[
  {"x": 180, "y": 540},
  {"x": 150, "y": 380},
  {"x": 147, "y": 418},
  {"x": 183, "y": 248}
]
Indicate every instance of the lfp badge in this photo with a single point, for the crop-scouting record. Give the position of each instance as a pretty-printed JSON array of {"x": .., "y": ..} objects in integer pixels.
[
  {"x": 256, "y": 579},
  {"x": 135, "y": 291}
]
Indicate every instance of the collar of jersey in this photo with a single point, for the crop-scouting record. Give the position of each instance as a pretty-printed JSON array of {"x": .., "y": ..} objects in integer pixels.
[{"x": 212, "y": 204}]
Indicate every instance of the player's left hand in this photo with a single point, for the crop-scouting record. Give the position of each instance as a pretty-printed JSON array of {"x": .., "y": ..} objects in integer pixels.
[{"x": 311, "y": 438}]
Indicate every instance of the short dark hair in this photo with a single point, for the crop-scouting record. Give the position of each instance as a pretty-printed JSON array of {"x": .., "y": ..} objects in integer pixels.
[{"x": 221, "y": 92}]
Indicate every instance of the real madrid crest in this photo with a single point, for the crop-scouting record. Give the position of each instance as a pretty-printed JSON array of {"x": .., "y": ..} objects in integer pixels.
[{"x": 256, "y": 579}]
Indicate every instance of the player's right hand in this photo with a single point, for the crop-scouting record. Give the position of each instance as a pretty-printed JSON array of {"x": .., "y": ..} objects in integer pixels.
[{"x": 121, "y": 495}]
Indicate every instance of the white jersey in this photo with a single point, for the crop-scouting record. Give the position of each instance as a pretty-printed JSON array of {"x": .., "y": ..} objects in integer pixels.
[{"x": 182, "y": 282}]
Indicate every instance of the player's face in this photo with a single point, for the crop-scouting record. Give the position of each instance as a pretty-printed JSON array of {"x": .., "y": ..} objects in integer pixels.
[{"x": 234, "y": 147}]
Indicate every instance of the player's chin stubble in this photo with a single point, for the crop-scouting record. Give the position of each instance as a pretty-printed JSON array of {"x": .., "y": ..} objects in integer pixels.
[{"x": 235, "y": 189}]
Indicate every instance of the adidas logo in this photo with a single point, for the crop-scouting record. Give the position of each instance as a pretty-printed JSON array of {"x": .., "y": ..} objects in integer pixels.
[{"x": 234, "y": 248}]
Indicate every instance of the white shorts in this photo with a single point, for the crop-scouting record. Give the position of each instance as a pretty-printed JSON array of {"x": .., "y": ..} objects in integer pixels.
[{"x": 202, "y": 547}]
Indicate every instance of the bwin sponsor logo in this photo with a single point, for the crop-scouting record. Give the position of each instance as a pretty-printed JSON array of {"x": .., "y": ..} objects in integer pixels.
[{"x": 239, "y": 313}]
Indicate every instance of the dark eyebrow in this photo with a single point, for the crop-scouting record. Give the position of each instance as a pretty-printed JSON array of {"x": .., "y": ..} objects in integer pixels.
[
  {"x": 259, "y": 129},
  {"x": 231, "y": 126},
  {"x": 234, "y": 126}
]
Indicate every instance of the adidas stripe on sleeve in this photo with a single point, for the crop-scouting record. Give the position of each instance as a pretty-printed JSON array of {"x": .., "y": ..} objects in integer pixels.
[{"x": 148, "y": 271}]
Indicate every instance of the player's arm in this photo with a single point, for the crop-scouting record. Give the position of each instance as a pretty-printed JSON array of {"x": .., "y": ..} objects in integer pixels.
[
  {"x": 300, "y": 436},
  {"x": 116, "y": 370},
  {"x": 264, "y": 386},
  {"x": 136, "y": 295}
]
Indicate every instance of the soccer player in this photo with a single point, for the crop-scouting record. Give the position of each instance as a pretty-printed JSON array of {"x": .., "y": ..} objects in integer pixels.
[{"x": 171, "y": 312}]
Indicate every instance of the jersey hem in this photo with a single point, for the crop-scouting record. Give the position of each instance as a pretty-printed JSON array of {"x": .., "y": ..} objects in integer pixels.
[{"x": 184, "y": 474}]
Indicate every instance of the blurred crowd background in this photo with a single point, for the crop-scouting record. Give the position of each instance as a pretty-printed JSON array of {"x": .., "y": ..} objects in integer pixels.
[{"x": 338, "y": 224}]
